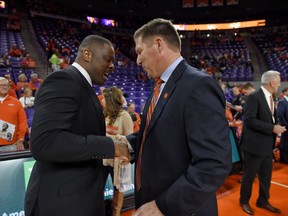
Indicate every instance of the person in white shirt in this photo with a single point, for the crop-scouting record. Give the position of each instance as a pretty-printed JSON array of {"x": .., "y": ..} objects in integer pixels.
[{"x": 27, "y": 100}]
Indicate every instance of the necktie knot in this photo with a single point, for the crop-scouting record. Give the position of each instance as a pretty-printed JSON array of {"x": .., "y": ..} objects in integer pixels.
[
  {"x": 158, "y": 83},
  {"x": 156, "y": 88}
]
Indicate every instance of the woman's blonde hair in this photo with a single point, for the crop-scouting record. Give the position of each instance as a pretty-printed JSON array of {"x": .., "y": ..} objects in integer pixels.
[{"x": 26, "y": 91}]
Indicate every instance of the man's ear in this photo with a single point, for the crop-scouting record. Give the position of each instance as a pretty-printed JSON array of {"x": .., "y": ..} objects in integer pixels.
[
  {"x": 159, "y": 43},
  {"x": 87, "y": 55}
]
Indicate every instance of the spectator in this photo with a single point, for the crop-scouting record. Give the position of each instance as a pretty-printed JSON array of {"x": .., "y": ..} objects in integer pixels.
[
  {"x": 118, "y": 121},
  {"x": 4, "y": 61},
  {"x": 15, "y": 51},
  {"x": 21, "y": 84},
  {"x": 34, "y": 83},
  {"x": 51, "y": 47},
  {"x": 135, "y": 116},
  {"x": 65, "y": 62},
  {"x": 248, "y": 88},
  {"x": 27, "y": 62},
  {"x": 55, "y": 61},
  {"x": 101, "y": 95},
  {"x": 27, "y": 100},
  {"x": 257, "y": 142},
  {"x": 13, "y": 115},
  {"x": 65, "y": 51},
  {"x": 237, "y": 103},
  {"x": 12, "y": 90}
]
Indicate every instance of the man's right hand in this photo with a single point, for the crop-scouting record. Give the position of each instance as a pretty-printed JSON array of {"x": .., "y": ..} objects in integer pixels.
[
  {"x": 122, "y": 151},
  {"x": 278, "y": 129}
]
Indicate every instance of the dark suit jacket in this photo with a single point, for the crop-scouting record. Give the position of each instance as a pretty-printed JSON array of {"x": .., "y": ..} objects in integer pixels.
[
  {"x": 68, "y": 144},
  {"x": 282, "y": 114},
  {"x": 257, "y": 136},
  {"x": 187, "y": 153}
]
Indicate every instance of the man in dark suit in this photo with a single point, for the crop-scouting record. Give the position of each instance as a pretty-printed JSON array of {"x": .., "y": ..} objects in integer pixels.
[
  {"x": 68, "y": 137},
  {"x": 282, "y": 114},
  {"x": 186, "y": 153},
  {"x": 257, "y": 142}
]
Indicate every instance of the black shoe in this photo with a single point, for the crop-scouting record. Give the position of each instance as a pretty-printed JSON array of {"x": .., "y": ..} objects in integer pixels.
[
  {"x": 247, "y": 209},
  {"x": 269, "y": 208}
]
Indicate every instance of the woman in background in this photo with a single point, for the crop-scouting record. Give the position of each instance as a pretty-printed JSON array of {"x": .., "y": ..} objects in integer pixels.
[
  {"x": 118, "y": 121},
  {"x": 22, "y": 84},
  {"x": 27, "y": 100}
]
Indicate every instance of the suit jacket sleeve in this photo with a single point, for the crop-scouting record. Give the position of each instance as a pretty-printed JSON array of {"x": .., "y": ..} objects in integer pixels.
[{"x": 65, "y": 126}]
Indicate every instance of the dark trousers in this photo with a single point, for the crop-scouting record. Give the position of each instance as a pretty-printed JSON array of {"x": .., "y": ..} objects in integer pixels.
[{"x": 256, "y": 165}]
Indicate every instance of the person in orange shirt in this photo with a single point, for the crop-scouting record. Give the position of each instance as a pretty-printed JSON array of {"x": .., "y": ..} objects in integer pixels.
[
  {"x": 12, "y": 91},
  {"x": 15, "y": 51},
  {"x": 100, "y": 96},
  {"x": 13, "y": 120},
  {"x": 21, "y": 84},
  {"x": 27, "y": 62},
  {"x": 34, "y": 83},
  {"x": 135, "y": 117}
]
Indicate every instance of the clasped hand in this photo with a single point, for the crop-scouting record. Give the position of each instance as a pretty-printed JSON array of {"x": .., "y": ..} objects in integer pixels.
[
  {"x": 148, "y": 209},
  {"x": 122, "y": 149}
]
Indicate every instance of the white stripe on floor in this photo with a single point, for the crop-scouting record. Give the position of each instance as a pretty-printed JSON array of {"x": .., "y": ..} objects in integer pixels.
[{"x": 276, "y": 183}]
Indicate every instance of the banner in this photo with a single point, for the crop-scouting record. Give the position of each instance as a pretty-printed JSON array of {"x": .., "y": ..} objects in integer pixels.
[
  {"x": 232, "y": 2},
  {"x": 217, "y": 2},
  {"x": 187, "y": 3},
  {"x": 14, "y": 178},
  {"x": 202, "y": 3}
]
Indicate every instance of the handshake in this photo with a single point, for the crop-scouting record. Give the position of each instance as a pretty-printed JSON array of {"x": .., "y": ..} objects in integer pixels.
[{"x": 122, "y": 149}]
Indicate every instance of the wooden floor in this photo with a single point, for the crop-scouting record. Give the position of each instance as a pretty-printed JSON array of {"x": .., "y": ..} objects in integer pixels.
[{"x": 228, "y": 194}]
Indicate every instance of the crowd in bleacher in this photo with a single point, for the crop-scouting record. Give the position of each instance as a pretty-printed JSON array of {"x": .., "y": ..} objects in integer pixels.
[{"x": 223, "y": 54}]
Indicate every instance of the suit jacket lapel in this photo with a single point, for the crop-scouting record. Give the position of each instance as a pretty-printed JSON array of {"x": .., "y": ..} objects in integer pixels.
[
  {"x": 92, "y": 95},
  {"x": 264, "y": 101},
  {"x": 166, "y": 93}
]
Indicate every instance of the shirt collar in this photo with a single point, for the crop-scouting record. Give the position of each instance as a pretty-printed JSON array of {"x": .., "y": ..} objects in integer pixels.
[
  {"x": 83, "y": 72},
  {"x": 167, "y": 73},
  {"x": 266, "y": 92},
  {"x": 3, "y": 98},
  {"x": 286, "y": 97}
]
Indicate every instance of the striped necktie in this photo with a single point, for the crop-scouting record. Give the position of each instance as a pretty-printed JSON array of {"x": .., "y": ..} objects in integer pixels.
[{"x": 148, "y": 117}]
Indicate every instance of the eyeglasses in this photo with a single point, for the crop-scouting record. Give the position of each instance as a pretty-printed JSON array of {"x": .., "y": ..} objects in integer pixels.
[{"x": 4, "y": 85}]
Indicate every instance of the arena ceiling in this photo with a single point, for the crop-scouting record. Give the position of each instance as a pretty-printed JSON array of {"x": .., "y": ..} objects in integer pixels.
[{"x": 172, "y": 9}]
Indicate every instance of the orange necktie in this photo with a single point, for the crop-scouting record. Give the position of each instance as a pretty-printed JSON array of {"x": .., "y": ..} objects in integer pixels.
[{"x": 148, "y": 117}]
